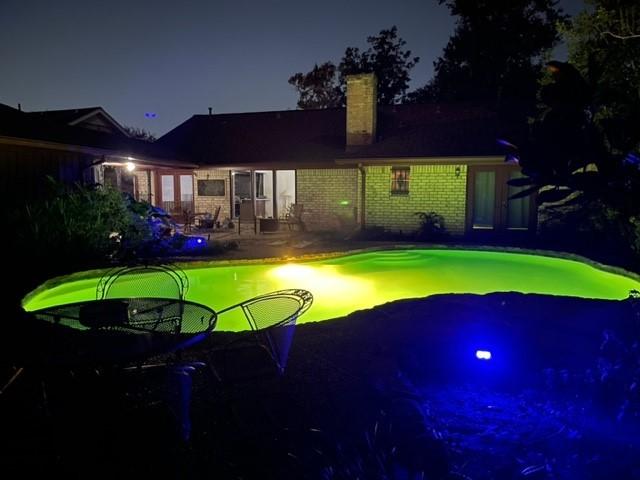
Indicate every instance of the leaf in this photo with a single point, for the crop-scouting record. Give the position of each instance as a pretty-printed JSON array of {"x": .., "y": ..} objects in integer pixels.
[
  {"x": 522, "y": 181},
  {"x": 585, "y": 180},
  {"x": 525, "y": 193},
  {"x": 554, "y": 195}
]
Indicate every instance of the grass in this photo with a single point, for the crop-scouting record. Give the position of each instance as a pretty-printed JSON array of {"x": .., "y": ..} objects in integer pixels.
[{"x": 382, "y": 394}]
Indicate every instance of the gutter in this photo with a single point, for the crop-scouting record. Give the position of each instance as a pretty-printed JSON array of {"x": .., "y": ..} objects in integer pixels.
[
  {"x": 96, "y": 151},
  {"x": 362, "y": 196},
  {"x": 464, "y": 160}
]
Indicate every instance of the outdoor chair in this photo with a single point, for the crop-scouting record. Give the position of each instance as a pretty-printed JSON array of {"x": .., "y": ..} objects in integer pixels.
[
  {"x": 206, "y": 220},
  {"x": 272, "y": 318},
  {"x": 162, "y": 281},
  {"x": 293, "y": 217}
]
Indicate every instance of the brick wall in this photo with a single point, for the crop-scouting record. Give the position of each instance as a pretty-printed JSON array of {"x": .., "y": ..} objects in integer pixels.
[
  {"x": 431, "y": 188},
  {"x": 207, "y": 203},
  {"x": 145, "y": 185},
  {"x": 329, "y": 196}
]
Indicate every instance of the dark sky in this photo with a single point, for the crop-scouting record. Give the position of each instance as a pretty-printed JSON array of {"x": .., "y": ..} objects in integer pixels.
[{"x": 175, "y": 58}]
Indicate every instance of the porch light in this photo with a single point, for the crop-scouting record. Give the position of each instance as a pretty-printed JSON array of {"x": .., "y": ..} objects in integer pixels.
[{"x": 130, "y": 166}]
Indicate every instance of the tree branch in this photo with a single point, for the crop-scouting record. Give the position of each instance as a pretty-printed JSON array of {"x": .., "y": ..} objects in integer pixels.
[{"x": 621, "y": 37}]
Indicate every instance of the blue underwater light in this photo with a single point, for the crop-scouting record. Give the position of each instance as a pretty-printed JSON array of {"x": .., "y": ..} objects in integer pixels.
[{"x": 483, "y": 354}]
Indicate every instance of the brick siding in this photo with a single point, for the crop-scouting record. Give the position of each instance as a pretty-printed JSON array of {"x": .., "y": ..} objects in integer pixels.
[
  {"x": 431, "y": 188},
  {"x": 209, "y": 204},
  {"x": 321, "y": 191}
]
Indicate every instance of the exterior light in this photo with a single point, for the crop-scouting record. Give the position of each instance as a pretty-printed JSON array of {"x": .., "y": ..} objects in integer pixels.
[
  {"x": 458, "y": 170},
  {"x": 130, "y": 166},
  {"x": 483, "y": 354},
  {"x": 344, "y": 202}
]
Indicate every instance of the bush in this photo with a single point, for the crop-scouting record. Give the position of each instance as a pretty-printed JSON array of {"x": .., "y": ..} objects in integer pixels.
[
  {"x": 432, "y": 227},
  {"x": 592, "y": 228},
  {"x": 74, "y": 226}
]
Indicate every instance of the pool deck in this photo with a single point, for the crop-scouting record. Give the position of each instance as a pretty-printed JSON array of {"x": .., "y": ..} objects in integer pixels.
[{"x": 286, "y": 244}]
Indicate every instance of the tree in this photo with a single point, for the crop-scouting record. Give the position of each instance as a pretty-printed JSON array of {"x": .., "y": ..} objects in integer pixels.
[
  {"x": 591, "y": 109},
  {"x": 318, "y": 88},
  {"x": 604, "y": 45},
  {"x": 583, "y": 157},
  {"x": 325, "y": 85},
  {"x": 496, "y": 50},
  {"x": 139, "y": 134}
]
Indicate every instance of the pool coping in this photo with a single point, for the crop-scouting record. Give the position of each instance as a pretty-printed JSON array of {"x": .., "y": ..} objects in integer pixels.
[{"x": 196, "y": 264}]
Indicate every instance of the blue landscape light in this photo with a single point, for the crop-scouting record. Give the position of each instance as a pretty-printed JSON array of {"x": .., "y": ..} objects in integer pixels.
[
  {"x": 194, "y": 243},
  {"x": 483, "y": 354}
]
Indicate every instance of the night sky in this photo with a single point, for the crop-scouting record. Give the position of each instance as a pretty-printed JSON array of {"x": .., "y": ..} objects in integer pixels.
[{"x": 176, "y": 58}]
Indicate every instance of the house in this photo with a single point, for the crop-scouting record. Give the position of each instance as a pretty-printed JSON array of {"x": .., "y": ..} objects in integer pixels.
[
  {"x": 80, "y": 145},
  {"x": 359, "y": 167}
]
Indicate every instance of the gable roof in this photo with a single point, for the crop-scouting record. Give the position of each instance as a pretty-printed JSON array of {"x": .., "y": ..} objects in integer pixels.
[
  {"x": 306, "y": 138},
  {"x": 80, "y": 117},
  {"x": 16, "y": 125}
]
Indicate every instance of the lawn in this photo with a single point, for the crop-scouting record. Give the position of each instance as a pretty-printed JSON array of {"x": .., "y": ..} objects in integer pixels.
[{"x": 377, "y": 395}]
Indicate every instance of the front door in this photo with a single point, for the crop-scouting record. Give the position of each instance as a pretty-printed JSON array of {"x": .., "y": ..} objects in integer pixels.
[
  {"x": 176, "y": 192},
  {"x": 490, "y": 213}
]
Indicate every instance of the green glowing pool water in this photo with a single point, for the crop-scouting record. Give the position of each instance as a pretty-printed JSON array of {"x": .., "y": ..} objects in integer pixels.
[{"x": 344, "y": 284}]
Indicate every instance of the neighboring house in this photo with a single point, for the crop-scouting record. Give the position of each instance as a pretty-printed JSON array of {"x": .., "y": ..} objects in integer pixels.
[
  {"x": 84, "y": 145},
  {"x": 363, "y": 166}
]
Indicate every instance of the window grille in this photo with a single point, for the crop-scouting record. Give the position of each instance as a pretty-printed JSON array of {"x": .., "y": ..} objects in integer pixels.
[{"x": 400, "y": 181}]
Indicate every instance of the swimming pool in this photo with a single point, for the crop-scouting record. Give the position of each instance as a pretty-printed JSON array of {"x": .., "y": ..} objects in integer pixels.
[{"x": 342, "y": 284}]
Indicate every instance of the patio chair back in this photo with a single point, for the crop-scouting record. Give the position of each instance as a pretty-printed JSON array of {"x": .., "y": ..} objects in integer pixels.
[
  {"x": 272, "y": 318},
  {"x": 294, "y": 216},
  {"x": 155, "y": 281}
]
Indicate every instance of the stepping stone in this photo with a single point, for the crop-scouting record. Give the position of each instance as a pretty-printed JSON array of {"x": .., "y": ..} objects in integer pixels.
[
  {"x": 302, "y": 244},
  {"x": 277, "y": 243}
]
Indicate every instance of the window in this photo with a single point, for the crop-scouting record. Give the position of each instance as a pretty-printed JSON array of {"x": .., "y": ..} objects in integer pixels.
[{"x": 400, "y": 181}]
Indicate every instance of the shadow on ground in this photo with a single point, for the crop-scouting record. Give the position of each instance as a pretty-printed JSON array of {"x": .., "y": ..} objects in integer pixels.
[{"x": 391, "y": 393}]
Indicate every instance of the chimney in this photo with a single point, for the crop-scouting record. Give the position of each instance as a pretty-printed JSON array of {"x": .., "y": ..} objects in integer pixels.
[
  {"x": 362, "y": 103},
  {"x": 210, "y": 110}
]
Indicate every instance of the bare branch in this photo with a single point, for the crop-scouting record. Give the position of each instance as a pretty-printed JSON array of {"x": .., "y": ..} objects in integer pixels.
[{"x": 621, "y": 37}]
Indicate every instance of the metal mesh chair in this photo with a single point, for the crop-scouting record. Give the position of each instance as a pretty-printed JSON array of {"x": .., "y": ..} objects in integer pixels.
[
  {"x": 272, "y": 318},
  {"x": 161, "y": 281}
]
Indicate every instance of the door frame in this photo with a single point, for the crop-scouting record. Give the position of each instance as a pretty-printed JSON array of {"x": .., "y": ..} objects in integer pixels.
[
  {"x": 178, "y": 211},
  {"x": 500, "y": 211}
]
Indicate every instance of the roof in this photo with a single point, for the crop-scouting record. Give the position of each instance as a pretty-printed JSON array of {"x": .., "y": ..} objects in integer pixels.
[
  {"x": 78, "y": 116},
  {"x": 41, "y": 128},
  {"x": 438, "y": 130},
  {"x": 286, "y": 137},
  {"x": 305, "y": 138}
]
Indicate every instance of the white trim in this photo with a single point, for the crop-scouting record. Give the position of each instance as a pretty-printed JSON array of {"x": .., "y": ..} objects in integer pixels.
[{"x": 100, "y": 111}]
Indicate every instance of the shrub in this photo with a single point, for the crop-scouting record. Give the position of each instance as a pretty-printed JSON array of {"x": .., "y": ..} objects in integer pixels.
[
  {"x": 73, "y": 226},
  {"x": 432, "y": 227}
]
